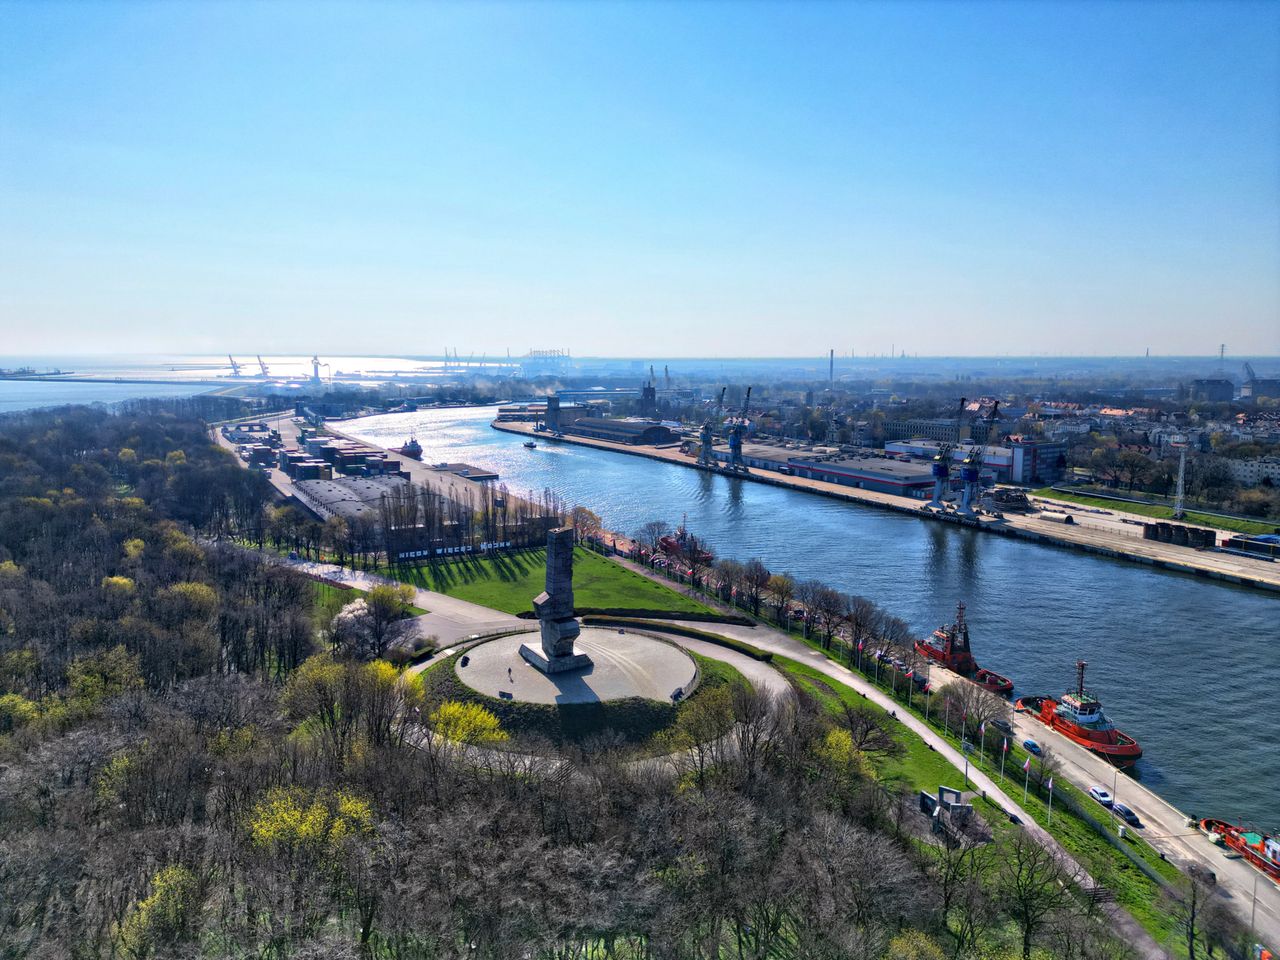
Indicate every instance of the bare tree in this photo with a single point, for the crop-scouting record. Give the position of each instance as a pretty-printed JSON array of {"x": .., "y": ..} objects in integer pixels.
[
  {"x": 1032, "y": 886},
  {"x": 755, "y": 579}
]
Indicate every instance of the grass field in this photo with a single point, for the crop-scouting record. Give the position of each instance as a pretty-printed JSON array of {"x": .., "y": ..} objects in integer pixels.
[
  {"x": 1158, "y": 512},
  {"x": 509, "y": 582},
  {"x": 634, "y": 723}
]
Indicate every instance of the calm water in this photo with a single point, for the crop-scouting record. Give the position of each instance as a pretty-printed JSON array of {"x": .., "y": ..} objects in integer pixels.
[
  {"x": 32, "y": 394},
  {"x": 1189, "y": 667}
]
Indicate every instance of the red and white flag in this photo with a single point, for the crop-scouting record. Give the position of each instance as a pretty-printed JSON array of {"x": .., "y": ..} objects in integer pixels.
[
  {"x": 910, "y": 674},
  {"x": 1006, "y": 745},
  {"x": 1027, "y": 766},
  {"x": 982, "y": 729},
  {"x": 860, "y": 643}
]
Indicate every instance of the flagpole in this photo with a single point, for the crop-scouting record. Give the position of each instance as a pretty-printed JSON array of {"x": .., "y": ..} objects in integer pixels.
[
  {"x": 946, "y": 723},
  {"x": 1026, "y": 780},
  {"x": 928, "y": 690},
  {"x": 1050, "y": 801},
  {"x": 1003, "y": 753}
]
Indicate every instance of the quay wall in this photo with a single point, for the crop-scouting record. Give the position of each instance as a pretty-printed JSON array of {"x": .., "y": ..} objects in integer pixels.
[{"x": 1115, "y": 547}]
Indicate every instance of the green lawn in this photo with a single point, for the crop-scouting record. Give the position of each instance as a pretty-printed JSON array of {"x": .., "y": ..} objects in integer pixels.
[
  {"x": 509, "y": 582},
  {"x": 1158, "y": 512}
]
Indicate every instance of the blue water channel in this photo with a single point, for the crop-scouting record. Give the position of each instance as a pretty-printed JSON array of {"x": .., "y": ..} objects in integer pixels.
[{"x": 1190, "y": 667}]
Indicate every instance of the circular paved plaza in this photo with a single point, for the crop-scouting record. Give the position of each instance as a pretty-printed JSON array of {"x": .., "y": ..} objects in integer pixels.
[{"x": 623, "y": 665}]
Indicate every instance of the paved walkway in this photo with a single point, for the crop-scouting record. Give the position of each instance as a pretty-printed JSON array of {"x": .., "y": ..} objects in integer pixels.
[{"x": 450, "y": 619}]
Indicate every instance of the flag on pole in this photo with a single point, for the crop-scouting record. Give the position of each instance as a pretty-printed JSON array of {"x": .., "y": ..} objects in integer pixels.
[
  {"x": 910, "y": 674},
  {"x": 1027, "y": 766},
  {"x": 860, "y": 643},
  {"x": 982, "y": 729},
  {"x": 1005, "y": 749},
  {"x": 1051, "y": 784}
]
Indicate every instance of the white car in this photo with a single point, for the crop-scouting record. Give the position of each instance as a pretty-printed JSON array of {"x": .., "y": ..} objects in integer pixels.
[{"x": 1102, "y": 796}]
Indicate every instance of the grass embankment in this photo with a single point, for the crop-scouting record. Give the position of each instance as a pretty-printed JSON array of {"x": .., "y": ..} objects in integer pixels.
[
  {"x": 509, "y": 582},
  {"x": 1158, "y": 511},
  {"x": 634, "y": 722},
  {"x": 921, "y": 768}
]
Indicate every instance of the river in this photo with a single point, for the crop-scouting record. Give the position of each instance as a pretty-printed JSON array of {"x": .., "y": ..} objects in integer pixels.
[{"x": 1190, "y": 667}]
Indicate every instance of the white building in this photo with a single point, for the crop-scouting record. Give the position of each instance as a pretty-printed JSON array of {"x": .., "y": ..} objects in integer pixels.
[{"x": 1250, "y": 473}]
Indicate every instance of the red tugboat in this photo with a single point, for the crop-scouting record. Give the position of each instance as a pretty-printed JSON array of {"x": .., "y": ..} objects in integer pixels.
[
  {"x": 1079, "y": 717},
  {"x": 1258, "y": 849},
  {"x": 412, "y": 449},
  {"x": 949, "y": 646},
  {"x": 679, "y": 544}
]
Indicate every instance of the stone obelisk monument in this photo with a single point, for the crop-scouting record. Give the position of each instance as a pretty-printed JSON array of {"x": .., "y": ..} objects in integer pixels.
[{"x": 554, "y": 607}]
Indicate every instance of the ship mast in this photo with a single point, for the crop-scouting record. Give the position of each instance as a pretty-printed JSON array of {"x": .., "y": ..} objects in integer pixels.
[{"x": 1080, "y": 665}]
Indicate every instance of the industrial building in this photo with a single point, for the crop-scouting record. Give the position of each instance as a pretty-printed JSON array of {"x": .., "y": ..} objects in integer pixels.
[
  {"x": 479, "y": 474},
  {"x": 880, "y": 474},
  {"x": 621, "y": 431},
  {"x": 1018, "y": 459},
  {"x": 1213, "y": 390},
  {"x": 346, "y": 497}
]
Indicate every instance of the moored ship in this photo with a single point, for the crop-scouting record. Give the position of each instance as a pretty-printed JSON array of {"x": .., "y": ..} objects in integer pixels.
[
  {"x": 1078, "y": 716},
  {"x": 412, "y": 449},
  {"x": 1260, "y": 850},
  {"x": 949, "y": 646}
]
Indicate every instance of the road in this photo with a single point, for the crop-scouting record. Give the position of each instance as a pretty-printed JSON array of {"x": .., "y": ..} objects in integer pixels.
[{"x": 448, "y": 618}]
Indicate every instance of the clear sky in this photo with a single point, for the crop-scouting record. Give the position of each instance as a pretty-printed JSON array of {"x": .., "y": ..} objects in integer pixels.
[{"x": 639, "y": 179}]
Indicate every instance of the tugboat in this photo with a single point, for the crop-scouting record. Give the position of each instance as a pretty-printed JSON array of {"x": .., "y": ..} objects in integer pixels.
[
  {"x": 412, "y": 449},
  {"x": 949, "y": 646},
  {"x": 1079, "y": 717},
  {"x": 1261, "y": 851},
  {"x": 677, "y": 544}
]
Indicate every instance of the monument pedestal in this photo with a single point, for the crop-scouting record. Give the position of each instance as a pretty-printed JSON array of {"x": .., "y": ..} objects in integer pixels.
[
  {"x": 553, "y": 665},
  {"x": 554, "y": 607}
]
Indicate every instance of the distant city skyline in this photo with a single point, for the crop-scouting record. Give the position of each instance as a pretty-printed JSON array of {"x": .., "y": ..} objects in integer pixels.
[{"x": 627, "y": 180}]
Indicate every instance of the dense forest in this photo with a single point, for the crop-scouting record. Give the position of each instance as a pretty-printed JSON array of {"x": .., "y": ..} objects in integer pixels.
[{"x": 185, "y": 772}]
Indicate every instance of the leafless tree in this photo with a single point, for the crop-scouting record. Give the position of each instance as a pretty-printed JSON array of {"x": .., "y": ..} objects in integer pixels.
[{"x": 1032, "y": 886}]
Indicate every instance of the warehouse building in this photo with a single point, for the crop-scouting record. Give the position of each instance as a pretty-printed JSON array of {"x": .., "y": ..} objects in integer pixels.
[
  {"x": 622, "y": 431},
  {"x": 879, "y": 474}
]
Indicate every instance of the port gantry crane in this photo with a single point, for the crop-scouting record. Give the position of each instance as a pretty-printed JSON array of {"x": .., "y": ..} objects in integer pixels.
[
  {"x": 942, "y": 462},
  {"x": 706, "y": 438},
  {"x": 734, "y": 462},
  {"x": 263, "y": 367},
  {"x": 235, "y": 367}
]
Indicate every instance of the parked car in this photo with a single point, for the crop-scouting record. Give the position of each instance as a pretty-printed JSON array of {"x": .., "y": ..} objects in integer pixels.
[
  {"x": 1101, "y": 795},
  {"x": 1031, "y": 747},
  {"x": 1125, "y": 814},
  {"x": 1004, "y": 726}
]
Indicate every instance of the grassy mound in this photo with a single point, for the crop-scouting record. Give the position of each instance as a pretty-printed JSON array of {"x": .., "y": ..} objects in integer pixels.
[{"x": 636, "y": 722}]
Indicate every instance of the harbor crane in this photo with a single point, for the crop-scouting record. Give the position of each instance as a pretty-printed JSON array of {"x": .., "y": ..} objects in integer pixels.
[
  {"x": 263, "y": 367},
  {"x": 235, "y": 367}
]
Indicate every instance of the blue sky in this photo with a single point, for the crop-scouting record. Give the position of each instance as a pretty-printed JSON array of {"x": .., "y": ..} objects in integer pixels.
[{"x": 633, "y": 179}]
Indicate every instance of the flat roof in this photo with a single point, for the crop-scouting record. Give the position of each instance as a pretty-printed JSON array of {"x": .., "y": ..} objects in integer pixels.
[
  {"x": 350, "y": 496},
  {"x": 466, "y": 470},
  {"x": 874, "y": 467}
]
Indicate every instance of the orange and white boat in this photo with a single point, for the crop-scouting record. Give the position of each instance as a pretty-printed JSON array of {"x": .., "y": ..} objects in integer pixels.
[
  {"x": 1078, "y": 716},
  {"x": 1259, "y": 850}
]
